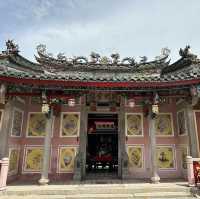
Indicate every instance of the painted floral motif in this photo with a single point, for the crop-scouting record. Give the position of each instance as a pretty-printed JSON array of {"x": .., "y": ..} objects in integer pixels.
[
  {"x": 17, "y": 123},
  {"x": 135, "y": 156},
  {"x": 165, "y": 157},
  {"x": 134, "y": 124},
  {"x": 181, "y": 123},
  {"x": 70, "y": 124},
  {"x": 13, "y": 161},
  {"x": 37, "y": 124},
  {"x": 66, "y": 161},
  {"x": 34, "y": 159},
  {"x": 163, "y": 125}
]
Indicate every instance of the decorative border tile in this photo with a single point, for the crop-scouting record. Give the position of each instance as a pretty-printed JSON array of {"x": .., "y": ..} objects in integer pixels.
[
  {"x": 142, "y": 124},
  {"x": 174, "y": 156},
  {"x": 27, "y": 127},
  {"x": 60, "y": 147},
  {"x": 142, "y": 151},
  {"x": 61, "y": 122},
  {"x": 26, "y": 147},
  {"x": 172, "y": 125}
]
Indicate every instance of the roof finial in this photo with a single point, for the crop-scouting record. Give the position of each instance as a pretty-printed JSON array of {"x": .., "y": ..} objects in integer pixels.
[
  {"x": 11, "y": 47},
  {"x": 186, "y": 52},
  {"x": 143, "y": 59},
  {"x": 115, "y": 58}
]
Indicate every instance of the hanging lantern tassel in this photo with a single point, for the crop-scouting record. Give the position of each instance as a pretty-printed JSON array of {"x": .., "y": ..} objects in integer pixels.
[
  {"x": 2, "y": 94},
  {"x": 71, "y": 102},
  {"x": 155, "y": 108},
  {"x": 45, "y": 108},
  {"x": 156, "y": 99},
  {"x": 131, "y": 103}
]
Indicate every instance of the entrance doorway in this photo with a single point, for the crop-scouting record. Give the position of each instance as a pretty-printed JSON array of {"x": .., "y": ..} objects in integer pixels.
[{"x": 102, "y": 144}]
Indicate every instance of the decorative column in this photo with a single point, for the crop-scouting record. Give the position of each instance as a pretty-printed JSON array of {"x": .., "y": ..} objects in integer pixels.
[
  {"x": 83, "y": 137},
  {"x": 192, "y": 135},
  {"x": 47, "y": 149},
  {"x": 154, "y": 174},
  {"x": 190, "y": 171},
  {"x": 122, "y": 154},
  {"x": 5, "y": 129},
  {"x": 80, "y": 160},
  {"x": 3, "y": 173}
]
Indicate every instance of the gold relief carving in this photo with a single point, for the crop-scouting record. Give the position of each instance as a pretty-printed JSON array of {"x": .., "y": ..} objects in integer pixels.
[
  {"x": 135, "y": 156},
  {"x": 66, "y": 159},
  {"x": 181, "y": 123},
  {"x": 13, "y": 161},
  {"x": 33, "y": 159},
  {"x": 134, "y": 125},
  {"x": 37, "y": 124},
  {"x": 163, "y": 125},
  {"x": 17, "y": 123},
  {"x": 70, "y": 124},
  {"x": 165, "y": 157}
]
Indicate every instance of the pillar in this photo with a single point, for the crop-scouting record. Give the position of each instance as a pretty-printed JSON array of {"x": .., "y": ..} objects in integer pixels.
[
  {"x": 192, "y": 135},
  {"x": 154, "y": 170},
  {"x": 80, "y": 160},
  {"x": 3, "y": 173},
  {"x": 122, "y": 154},
  {"x": 5, "y": 129},
  {"x": 190, "y": 171},
  {"x": 47, "y": 150},
  {"x": 83, "y": 140}
]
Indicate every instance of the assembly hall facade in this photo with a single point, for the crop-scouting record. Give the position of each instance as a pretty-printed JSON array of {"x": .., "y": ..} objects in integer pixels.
[{"x": 72, "y": 119}]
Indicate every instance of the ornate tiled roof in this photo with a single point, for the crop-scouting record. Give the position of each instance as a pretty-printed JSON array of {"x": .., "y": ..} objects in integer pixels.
[{"x": 97, "y": 68}]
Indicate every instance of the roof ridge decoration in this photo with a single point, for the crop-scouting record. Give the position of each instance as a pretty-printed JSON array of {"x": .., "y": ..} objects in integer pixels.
[
  {"x": 187, "y": 59},
  {"x": 186, "y": 53},
  {"x": 11, "y": 47},
  {"x": 97, "y": 62},
  {"x": 11, "y": 55}
]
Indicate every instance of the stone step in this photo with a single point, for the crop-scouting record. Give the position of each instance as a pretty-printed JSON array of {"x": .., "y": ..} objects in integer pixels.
[
  {"x": 96, "y": 190},
  {"x": 123, "y": 191},
  {"x": 106, "y": 196}
]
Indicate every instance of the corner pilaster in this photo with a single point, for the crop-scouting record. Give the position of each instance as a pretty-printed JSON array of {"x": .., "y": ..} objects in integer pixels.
[
  {"x": 192, "y": 135},
  {"x": 5, "y": 129}
]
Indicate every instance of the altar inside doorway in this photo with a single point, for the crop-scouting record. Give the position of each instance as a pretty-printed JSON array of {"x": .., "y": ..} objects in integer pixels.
[{"x": 102, "y": 143}]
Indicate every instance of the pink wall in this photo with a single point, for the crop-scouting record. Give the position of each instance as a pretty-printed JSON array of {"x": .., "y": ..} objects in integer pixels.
[{"x": 176, "y": 141}]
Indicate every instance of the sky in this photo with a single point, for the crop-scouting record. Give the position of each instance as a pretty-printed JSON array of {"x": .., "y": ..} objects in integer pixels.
[{"x": 131, "y": 28}]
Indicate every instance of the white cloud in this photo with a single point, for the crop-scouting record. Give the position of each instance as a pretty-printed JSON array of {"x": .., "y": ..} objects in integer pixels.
[{"x": 136, "y": 28}]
